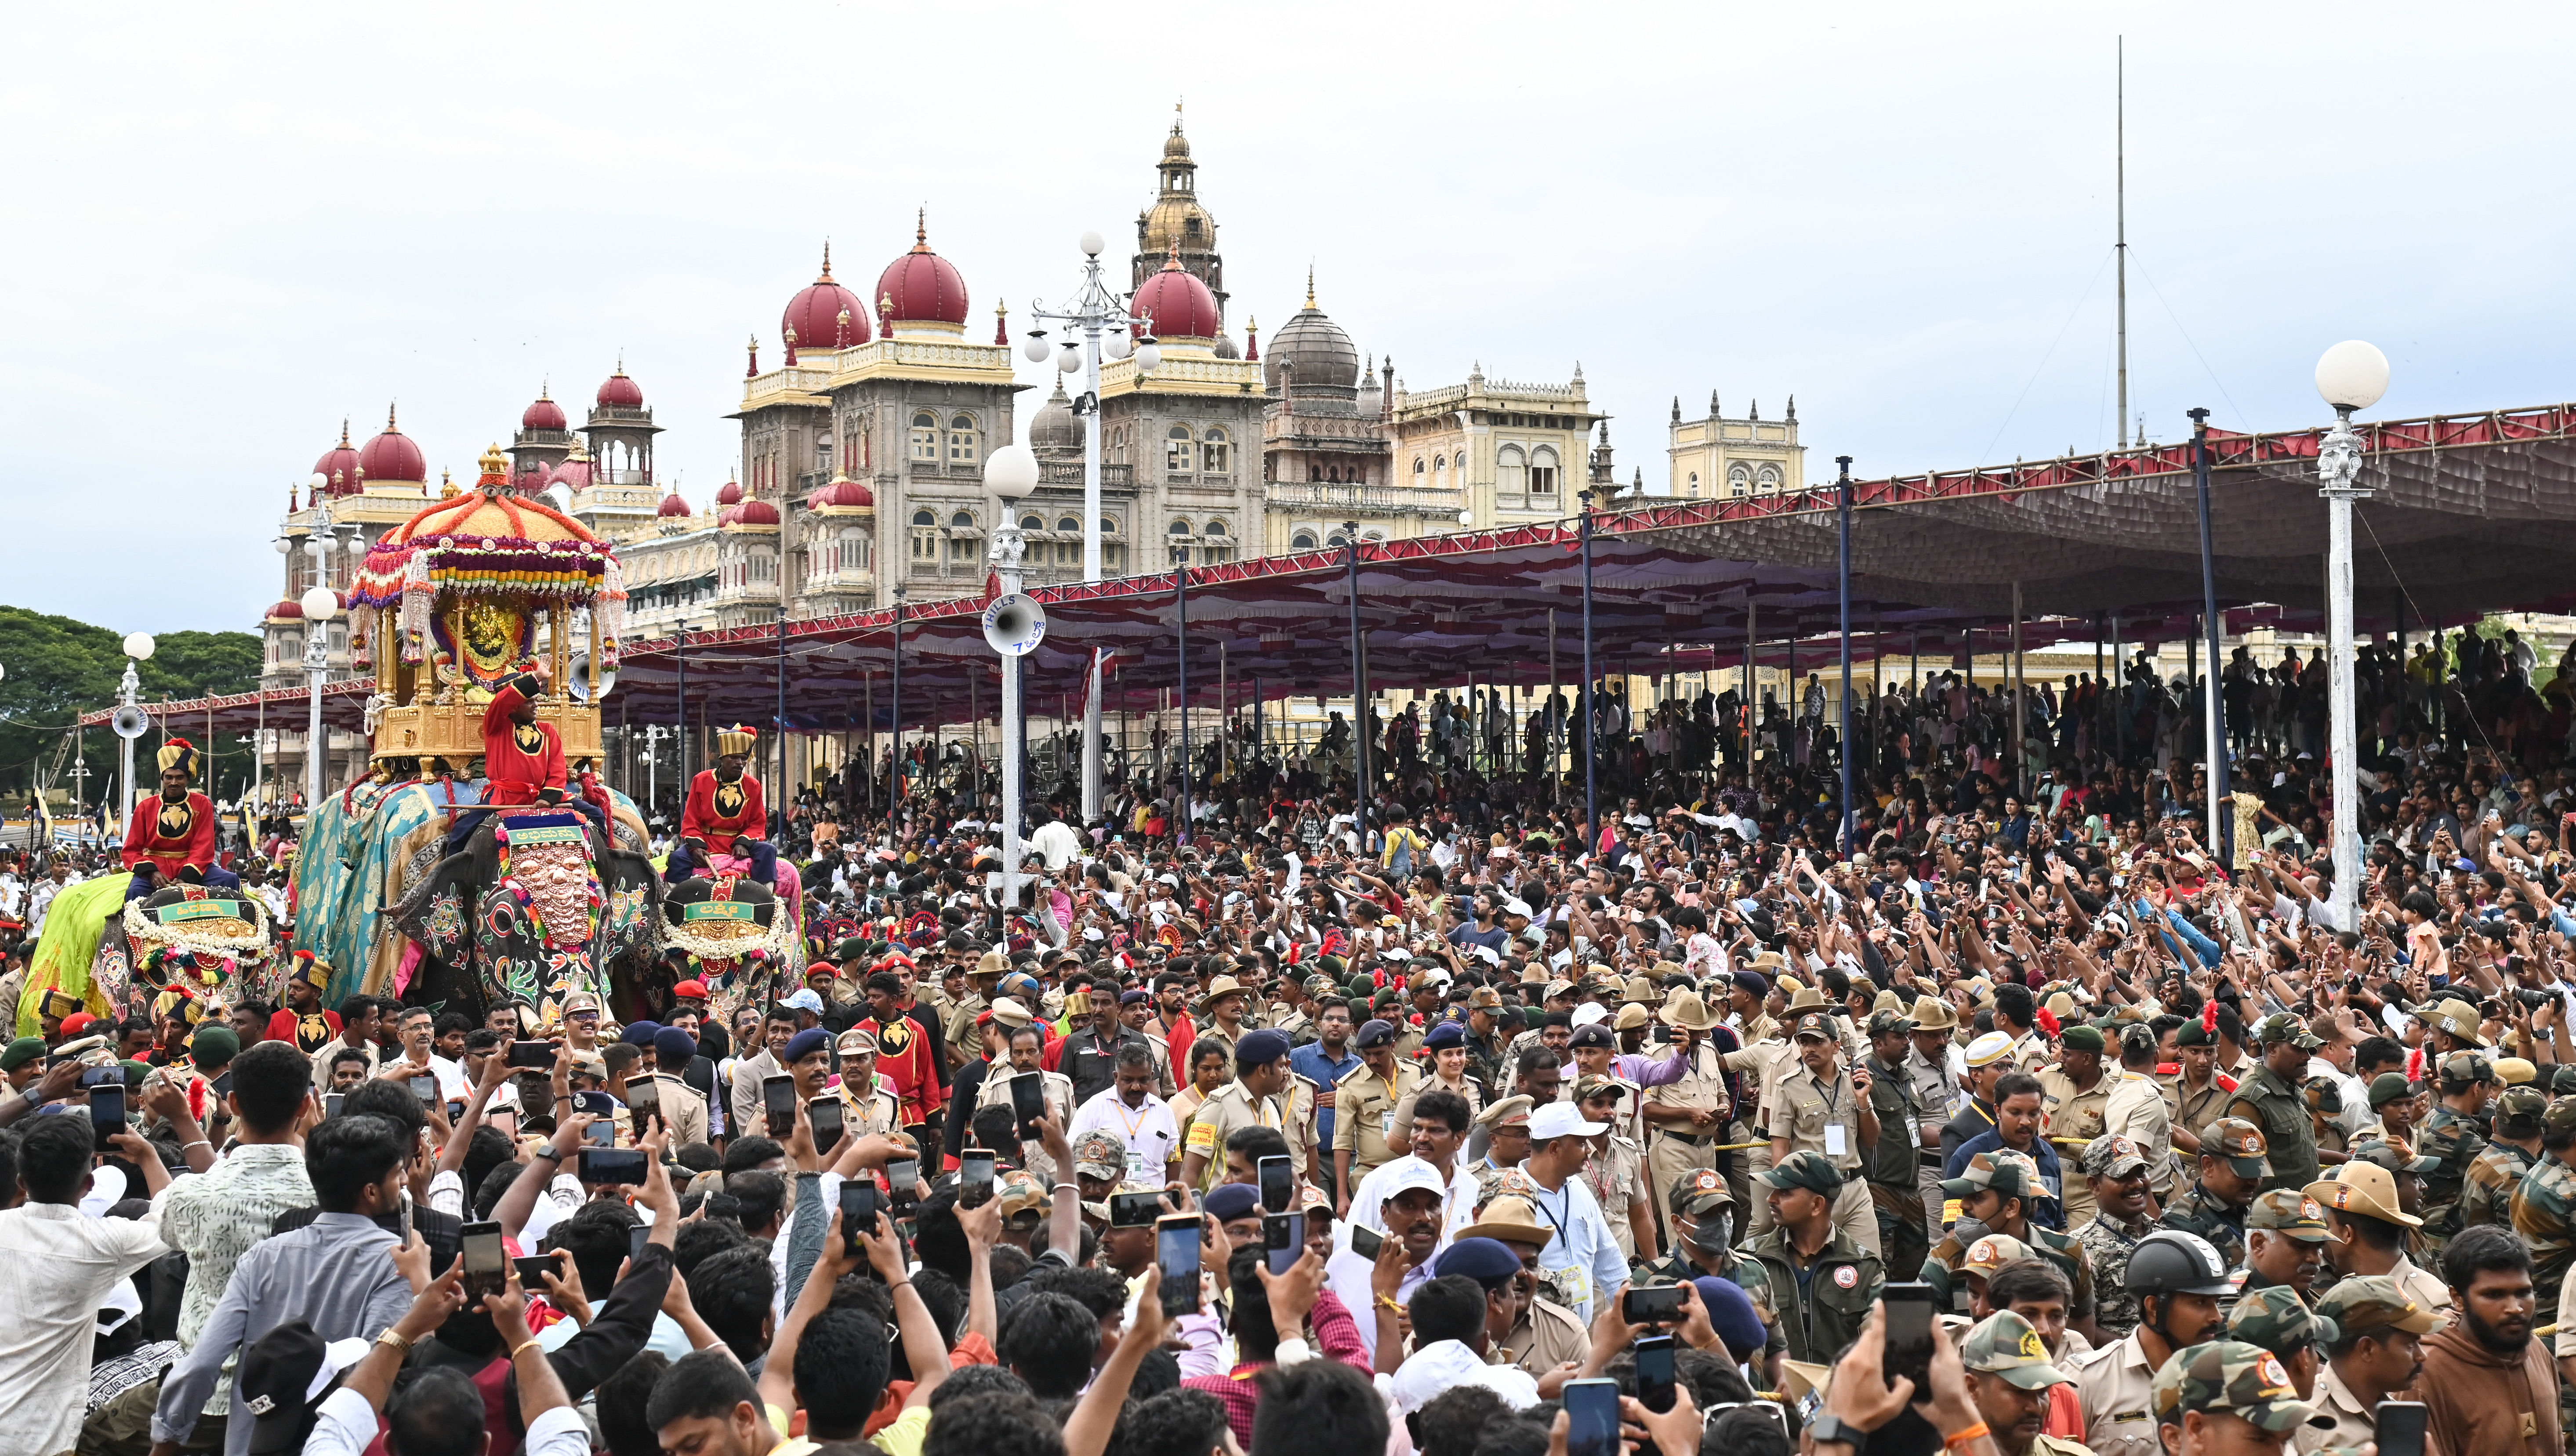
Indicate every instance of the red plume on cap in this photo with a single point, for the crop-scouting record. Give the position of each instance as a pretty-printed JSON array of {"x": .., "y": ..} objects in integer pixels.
[
  {"x": 2048, "y": 1021},
  {"x": 2415, "y": 1065},
  {"x": 2209, "y": 1018}
]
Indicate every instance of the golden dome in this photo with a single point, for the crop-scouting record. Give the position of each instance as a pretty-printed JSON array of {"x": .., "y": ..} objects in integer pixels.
[{"x": 1176, "y": 222}]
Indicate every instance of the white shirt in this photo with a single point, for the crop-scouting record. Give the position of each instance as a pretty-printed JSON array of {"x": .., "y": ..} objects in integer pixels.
[
  {"x": 1368, "y": 1201},
  {"x": 57, "y": 1267},
  {"x": 1582, "y": 1255},
  {"x": 1149, "y": 1133},
  {"x": 1448, "y": 1364},
  {"x": 346, "y": 1425},
  {"x": 1056, "y": 842}
]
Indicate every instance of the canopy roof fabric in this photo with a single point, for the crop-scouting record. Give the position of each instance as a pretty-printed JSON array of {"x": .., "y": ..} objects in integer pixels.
[{"x": 2471, "y": 514}]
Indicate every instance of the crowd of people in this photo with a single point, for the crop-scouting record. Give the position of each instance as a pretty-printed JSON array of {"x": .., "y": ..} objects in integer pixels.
[{"x": 1260, "y": 1119}]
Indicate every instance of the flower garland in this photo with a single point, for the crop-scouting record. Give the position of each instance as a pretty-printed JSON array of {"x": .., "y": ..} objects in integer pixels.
[{"x": 250, "y": 946}]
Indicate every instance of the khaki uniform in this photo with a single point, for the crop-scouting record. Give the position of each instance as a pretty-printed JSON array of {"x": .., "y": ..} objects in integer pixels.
[
  {"x": 996, "y": 1092},
  {"x": 1364, "y": 1110},
  {"x": 683, "y": 1107},
  {"x": 1616, "y": 1176},
  {"x": 1675, "y": 1150},
  {"x": 875, "y": 1112},
  {"x": 965, "y": 1039},
  {"x": 2031, "y": 1054},
  {"x": 2066, "y": 1112},
  {"x": 1165, "y": 1086},
  {"x": 1546, "y": 1336},
  {"x": 2354, "y": 1423},
  {"x": 1402, "y": 1136},
  {"x": 1822, "y": 1116},
  {"x": 2116, "y": 1385},
  {"x": 1231, "y": 1107},
  {"x": 2194, "y": 1108},
  {"x": 2137, "y": 1110}
]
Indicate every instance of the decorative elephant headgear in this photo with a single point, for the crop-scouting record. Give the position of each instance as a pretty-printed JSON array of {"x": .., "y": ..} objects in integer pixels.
[{"x": 180, "y": 754}]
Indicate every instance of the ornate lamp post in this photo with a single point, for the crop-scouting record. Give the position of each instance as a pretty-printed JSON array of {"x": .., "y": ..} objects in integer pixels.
[
  {"x": 1095, "y": 325},
  {"x": 138, "y": 648},
  {"x": 1012, "y": 472},
  {"x": 2352, "y": 375}
]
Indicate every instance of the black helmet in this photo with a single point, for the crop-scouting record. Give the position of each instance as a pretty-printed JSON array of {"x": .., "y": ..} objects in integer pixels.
[{"x": 2170, "y": 1261}]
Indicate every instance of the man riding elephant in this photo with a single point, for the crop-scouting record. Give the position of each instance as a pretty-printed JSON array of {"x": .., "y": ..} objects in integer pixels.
[
  {"x": 170, "y": 839},
  {"x": 726, "y": 820}
]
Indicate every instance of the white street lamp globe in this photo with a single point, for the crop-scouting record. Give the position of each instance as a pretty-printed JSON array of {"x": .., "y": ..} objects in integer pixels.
[
  {"x": 1149, "y": 357},
  {"x": 320, "y": 604},
  {"x": 358, "y": 545},
  {"x": 284, "y": 546},
  {"x": 1092, "y": 244},
  {"x": 1118, "y": 345},
  {"x": 2352, "y": 375},
  {"x": 1068, "y": 359},
  {"x": 1012, "y": 471},
  {"x": 318, "y": 545},
  {"x": 1035, "y": 350},
  {"x": 317, "y": 482},
  {"x": 138, "y": 645}
]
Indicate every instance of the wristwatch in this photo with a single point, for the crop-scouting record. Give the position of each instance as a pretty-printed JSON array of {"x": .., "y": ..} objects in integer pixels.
[{"x": 1830, "y": 1430}]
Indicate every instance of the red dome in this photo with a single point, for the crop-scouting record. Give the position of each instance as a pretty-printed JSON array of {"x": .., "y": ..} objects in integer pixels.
[
  {"x": 340, "y": 467},
  {"x": 393, "y": 456},
  {"x": 1178, "y": 303},
  {"x": 814, "y": 314},
  {"x": 545, "y": 414},
  {"x": 290, "y": 611},
  {"x": 731, "y": 495},
  {"x": 845, "y": 493},
  {"x": 621, "y": 392},
  {"x": 573, "y": 474},
  {"x": 921, "y": 286},
  {"x": 750, "y": 513},
  {"x": 672, "y": 505}
]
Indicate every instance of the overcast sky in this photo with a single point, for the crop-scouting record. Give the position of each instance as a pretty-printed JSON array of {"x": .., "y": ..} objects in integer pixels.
[{"x": 223, "y": 230}]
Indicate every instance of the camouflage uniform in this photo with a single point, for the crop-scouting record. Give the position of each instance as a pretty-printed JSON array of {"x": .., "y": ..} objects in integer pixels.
[
  {"x": 2229, "y": 1377},
  {"x": 2107, "y": 1244},
  {"x": 2016, "y": 1176},
  {"x": 2453, "y": 1140},
  {"x": 2486, "y": 1195},
  {"x": 2291, "y": 1214},
  {"x": 2201, "y": 1212},
  {"x": 2276, "y": 1104},
  {"x": 2544, "y": 1214},
  {"x": 2362, "y": 1304}
]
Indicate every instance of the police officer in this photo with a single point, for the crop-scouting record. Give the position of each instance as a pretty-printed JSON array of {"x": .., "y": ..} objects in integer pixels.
[
  {"x": 2233, "y": 1167},
  {"x": 1364, "y": 1103},
  {"x": 2544, "y": 1214},
  {"x": 2177, "y": 1280},
  {"x": 1892, "y": 1160},
  {"x": 2273, "y": 1101},
  {"x": 2285, "y": 1237}
]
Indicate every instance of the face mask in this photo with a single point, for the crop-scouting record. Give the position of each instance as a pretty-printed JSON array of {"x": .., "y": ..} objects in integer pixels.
[
  {"x": 1715, "y": 1232},
  {"x": 1968, "y": 1230}
]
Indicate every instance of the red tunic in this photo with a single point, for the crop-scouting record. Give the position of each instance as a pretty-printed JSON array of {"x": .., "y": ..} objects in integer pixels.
[
  {"x": 519, "y": 762},
  {"x": 309, "y": 1033},
  {"x": 175, "y": 838},
  {"x": 719, "y": 813},
  {"x": 904, "y": 1058}
]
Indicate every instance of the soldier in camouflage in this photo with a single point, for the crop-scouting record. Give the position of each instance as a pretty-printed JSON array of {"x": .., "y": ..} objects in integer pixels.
[
  {"x": 2119, "y": 1174},
  {"x": 2226, "y": 1396},
  {"x": 2453, "y": 1137},
  {"x": 2272, "y": 1100},
  {"x": 2543, "y": 1211},
  {"x": 2486, "y": 1196},
  {"x": 2285, "y": 1239},
  {"x": 2277, "y": 1320},
  {"x": 2234, "y": 1162},
  {"x": 2325, "y": 1118},
  {"x": 1996, "y": 1191}
]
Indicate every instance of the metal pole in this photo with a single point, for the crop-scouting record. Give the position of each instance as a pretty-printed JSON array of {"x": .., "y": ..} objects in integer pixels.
[
  {"x": 2338, "y": 471},
  {"x": 2214, "y": 703},
  {"x": 1555, "y": 724},
  {"x": 1359, "y": 696},
  {"x": 1006, "y": 553},
  {"x": 1181, "y": 647},
  {"x": 1591, "y": 728},
  {"x": 680, "y": 703},
  {"x": 894, "y": 779},
  {"x": 2015, "y": 737},
  {"x": 317, "y": 667},
  {"x": 1752, "y": 680},
  {"x": 786, "y": 795},
  {"x": 1842, "y": 512}
]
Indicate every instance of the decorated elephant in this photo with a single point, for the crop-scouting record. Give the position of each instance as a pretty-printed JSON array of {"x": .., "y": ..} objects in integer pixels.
[
  {"x": 180, "y": 948},
  {"x": 536, "y": 902},
  {"x": 735, "y": 935}
]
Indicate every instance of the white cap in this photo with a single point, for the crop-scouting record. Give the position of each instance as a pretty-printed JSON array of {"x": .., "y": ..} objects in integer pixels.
[
  {"x": 1408, "y": 1173},
  {"x": 1988, "y": 1049},
  {"x": 1517, "y": 907},
  {"x": 1561, "y": 1119},
  {"x": 1590, "y": 1012}
]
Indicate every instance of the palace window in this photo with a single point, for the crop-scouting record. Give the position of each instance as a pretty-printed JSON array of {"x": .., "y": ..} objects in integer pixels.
[
  {"x": 1694, "y": 482},
  {"x": 925, "y": 438},
  {"x": 1543, "y": 471},
  {"x": 1302, "y": 541},
  {"x": 1511, "y": 470},
  {"x": 1180, "y": 533},
  {"x": 963, "y": 445},
  {"x": 1218, "y": 545},
  {"x": 1215, "y": 453},
  {"x": 925, "y": 536},
  {"x": 1769, "y": 479},
  {"x": 1417, "y": 469},
  {"x": 1176, "y": 451},
  {"x": 1739, "y": 479}
]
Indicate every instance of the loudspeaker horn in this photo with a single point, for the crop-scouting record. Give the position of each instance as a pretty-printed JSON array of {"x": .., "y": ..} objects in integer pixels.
[
  {"x": 131, "y": 722},
  {"x": 577, "y": 673},
  {"x": 1014, "y": 625}
]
